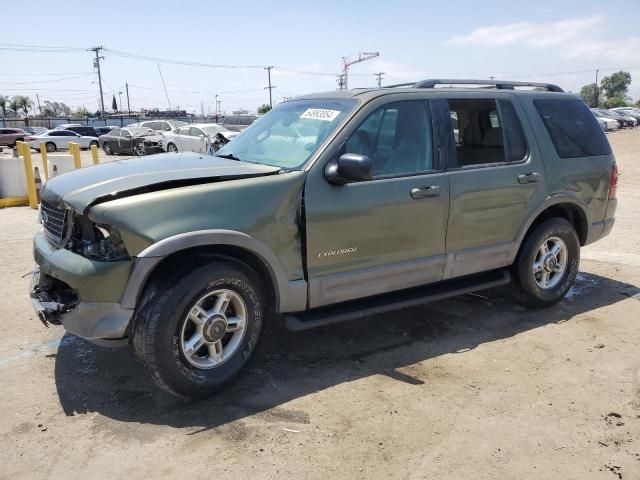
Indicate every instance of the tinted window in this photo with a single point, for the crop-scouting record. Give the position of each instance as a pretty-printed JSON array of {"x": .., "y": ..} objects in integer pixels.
[
  {"x": 397, "y": 138},
  {"x": 246, "y": 120},
  {"x": 62, "y": 133},
  {"x": 573, "y": 129},
  {"x": 515, "y": 144}
]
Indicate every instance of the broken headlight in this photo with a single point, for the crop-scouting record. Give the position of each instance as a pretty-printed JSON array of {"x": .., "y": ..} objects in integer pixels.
[{"x": 102, "y": 243}]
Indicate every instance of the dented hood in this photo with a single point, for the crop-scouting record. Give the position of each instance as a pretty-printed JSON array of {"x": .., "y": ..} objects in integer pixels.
[{"x": 81, "y": 188}]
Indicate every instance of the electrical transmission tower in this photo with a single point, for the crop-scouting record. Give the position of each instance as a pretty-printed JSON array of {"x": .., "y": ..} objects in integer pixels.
[{"x": 350, "y": 60}]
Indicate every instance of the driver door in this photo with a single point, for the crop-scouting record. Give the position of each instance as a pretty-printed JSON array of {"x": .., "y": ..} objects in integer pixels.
[
  {"x": 371, "y": 237},
  {"x": 125, "y": 142}
]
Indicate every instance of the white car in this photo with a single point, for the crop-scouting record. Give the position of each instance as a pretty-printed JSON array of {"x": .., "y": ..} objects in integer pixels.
[
  {"x": 59, "y": 140},
  {"x": 197, "y": 137},
  {"x": 64, "y": 126}
]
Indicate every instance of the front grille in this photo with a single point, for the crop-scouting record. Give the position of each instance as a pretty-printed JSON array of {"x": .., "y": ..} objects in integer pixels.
[{"x": 54, "y": 221}]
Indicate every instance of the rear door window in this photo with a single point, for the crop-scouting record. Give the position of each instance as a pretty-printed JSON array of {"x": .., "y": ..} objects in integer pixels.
[{"x": 573, "y": 128}]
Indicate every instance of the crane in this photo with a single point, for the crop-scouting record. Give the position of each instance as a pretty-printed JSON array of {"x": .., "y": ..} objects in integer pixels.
[{"x": 350, "y": 60}]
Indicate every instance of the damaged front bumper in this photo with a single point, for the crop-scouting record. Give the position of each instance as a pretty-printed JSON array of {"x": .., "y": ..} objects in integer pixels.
[{"x": 82, "y": 295}]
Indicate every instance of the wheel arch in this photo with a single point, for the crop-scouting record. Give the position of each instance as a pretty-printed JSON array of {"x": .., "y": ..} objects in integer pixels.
[
  {"x": 568, "y": 208},
  {"x": 284, "y": 295}
]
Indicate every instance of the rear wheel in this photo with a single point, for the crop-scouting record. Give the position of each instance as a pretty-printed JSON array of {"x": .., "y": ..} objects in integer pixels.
[
  {"x": 107, "y": 148},
  {"x": 92, "y": 143},
  {"x": 547, "y": 264},
  {"x": 51, "y": 147},
  {"x": 172, "y": 148},
  {"x": 139, "y": 149},
  {"x": 196, "y": 331}
]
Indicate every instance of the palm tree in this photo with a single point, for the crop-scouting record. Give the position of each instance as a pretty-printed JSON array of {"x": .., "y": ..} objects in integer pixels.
[
  {"x": 25, "y": 103},
  {"x": 4, "y": 104},
  {"x": 14, "y": 104}
]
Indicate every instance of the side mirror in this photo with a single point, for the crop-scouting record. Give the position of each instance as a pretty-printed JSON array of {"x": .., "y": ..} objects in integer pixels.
[{"x": 350, "y": 167}]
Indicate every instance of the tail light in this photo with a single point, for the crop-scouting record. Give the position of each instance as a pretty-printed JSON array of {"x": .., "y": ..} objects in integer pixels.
[{"x": 613, "y": 187}]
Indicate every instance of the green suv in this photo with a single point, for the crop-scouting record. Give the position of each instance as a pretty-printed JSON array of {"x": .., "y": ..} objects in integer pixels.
[{"x": 331, "y": 207}]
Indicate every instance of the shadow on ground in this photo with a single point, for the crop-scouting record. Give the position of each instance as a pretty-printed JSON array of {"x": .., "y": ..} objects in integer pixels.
[{"x": 291, "y": 365}]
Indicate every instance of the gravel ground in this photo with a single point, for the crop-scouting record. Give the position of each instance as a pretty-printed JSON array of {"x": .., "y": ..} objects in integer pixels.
[{"x": 472, "y": 387}]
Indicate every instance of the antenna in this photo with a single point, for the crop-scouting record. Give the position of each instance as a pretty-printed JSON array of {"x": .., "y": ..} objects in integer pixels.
[
  {"x": 164, "y": 86},
  {"x": 350, "y": 60}
]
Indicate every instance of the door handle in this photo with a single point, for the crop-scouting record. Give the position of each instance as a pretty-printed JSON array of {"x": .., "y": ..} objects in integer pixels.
[
  {"x": 425, "y": 192},
  {"x": 531, "y": 177}
]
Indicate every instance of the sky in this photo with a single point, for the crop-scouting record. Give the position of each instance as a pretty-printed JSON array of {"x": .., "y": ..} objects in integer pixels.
[{"x": 560, "y": 41}]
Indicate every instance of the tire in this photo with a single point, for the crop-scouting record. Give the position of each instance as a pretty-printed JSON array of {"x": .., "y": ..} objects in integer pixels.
[
  {"x": 139, "y": 149},
  {"x": 555, "y": 273},
  {"x": 107, "y": 148},
  {"x": 171, "y": 147},
  {"x": 165, "y": 327},
  {"x": 93, "y": 142},
  {"x": 51, "y": 147}
]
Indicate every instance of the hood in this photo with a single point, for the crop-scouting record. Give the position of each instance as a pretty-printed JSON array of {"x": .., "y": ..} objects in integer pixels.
[{"x": 82, "y": 188}]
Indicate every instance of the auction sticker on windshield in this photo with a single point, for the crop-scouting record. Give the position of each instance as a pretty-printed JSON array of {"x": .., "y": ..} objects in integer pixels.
[{"x": 320, "y": 114}]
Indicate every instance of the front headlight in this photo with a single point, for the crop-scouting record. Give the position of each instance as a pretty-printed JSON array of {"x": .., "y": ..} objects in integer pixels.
[{"x": 102, "y": 243}]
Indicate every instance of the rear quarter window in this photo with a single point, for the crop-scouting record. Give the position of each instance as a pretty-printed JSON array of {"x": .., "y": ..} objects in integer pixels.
[{"x": 573, "y": 129}]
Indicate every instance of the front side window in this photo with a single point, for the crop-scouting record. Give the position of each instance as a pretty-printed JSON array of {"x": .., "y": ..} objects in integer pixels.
[
  {"x": 397, "y": 137},
  {"x": 289, "y": 134},
  {"x": 573, "y": 129},
  {"x": 195, "y": 132}
]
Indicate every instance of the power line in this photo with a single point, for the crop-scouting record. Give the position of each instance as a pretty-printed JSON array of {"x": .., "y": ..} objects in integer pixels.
[{"x": 47, "y": 81}]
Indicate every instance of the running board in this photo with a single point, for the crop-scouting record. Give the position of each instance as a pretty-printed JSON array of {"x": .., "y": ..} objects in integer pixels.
[{"x": 365, "y": 307}]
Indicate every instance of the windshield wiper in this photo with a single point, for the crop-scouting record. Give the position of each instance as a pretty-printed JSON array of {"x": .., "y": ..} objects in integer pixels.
[{"x": 229, "y": 156}]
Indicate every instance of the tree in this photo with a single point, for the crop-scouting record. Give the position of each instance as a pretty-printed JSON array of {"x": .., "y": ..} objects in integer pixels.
[
  {"x": 114, "y": 105},
  {"x": 14, "y": 104},
  {"x": 25, "y": 103},
  {"x": 55, "y": 109},
  {"x": 588, "y": 94},
  {"x": 264, "y": 108},
  {"x": 617, "y": 84},
  {"x": 4, "y": 105},
  {"x": 80, "y": 112}
]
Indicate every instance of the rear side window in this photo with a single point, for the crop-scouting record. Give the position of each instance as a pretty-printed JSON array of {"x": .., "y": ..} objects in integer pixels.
[
  {"x": 515, "y": 145},
  {"x": 573, "y": 128}
]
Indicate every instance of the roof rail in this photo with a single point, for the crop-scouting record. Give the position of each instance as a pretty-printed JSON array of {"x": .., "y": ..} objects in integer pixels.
[{"x": 500, "y": 84}]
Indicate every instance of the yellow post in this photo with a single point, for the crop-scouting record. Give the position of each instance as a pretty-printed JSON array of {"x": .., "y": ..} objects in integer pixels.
[
  {"x": 94, "y": 154},
  {"x": 45, "y": 160},
  {"x": 23, "y": 148},
  {"x": 75, "y": 151}
]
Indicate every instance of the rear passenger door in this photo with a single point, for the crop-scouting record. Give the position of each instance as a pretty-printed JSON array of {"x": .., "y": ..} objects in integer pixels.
[{"x": 496, "y": 177}]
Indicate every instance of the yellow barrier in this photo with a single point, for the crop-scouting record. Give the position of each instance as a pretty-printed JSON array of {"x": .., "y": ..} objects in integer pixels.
[
  {"x": 75, "y": 151},
  {"x": 13, "y": 201},
  {"x": 94, "y": 154},
  {"x": 25, "y": 150},
  {"x": 43, "y": 154}
]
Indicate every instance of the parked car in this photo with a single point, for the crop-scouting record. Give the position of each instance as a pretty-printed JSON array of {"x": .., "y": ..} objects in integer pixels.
[
  {"x": 237, "y": 123},
  {"x": 197, "y": 137},
  {"x": 34, "y": 130},
  {"x": 160, "y": 125},
  {"x": 137, "y": 140},
  {"x": 629, "y": 112},
  {"x": 105, "y": 130},
  {"x": 9, "y": 136},
  {"x": 609, "y": 118},
  {"x": 59, "y": 140},
  {"x": 84, "y": 130},
  {"x": 65, "y": 126},
  {"x": 623, "y": 121},
  {"x": 607, "y": 123},
  {"x": 332, "y": 207}
]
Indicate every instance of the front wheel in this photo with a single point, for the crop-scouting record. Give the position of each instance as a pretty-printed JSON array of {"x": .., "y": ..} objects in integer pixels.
[
  {"x": 92, "y": 143},
  {"x": 51, "y": 147},
  {"x": 107, "y": 149},
  {"x": 547, "y": 264},
  {"x": 196, "y": 331},
  {"x": 140, "y": 149},
  {"x": 172, "y": 148}
]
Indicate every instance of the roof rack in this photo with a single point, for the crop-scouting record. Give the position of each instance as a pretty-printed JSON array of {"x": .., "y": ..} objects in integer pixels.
[{"x": 499, "y": 84}]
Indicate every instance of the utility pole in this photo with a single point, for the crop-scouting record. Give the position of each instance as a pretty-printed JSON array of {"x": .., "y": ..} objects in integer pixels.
[
  {"x": 492, "y": 77},
  {"x": 202, "y": 109},
  {"x": 379, "y": 75},
  {"x": 340, "y": 80},
  {"x": 164, "y": 86},
  {"x": 128, "y": 104},
  {"x": 350, "y": 60},
  {"x": 96, "y": 64},
  {"x": 270, "y": 87},
  {"x": 39, "y": 107},
  {"x": 597, "y": 92},
  {"x": 120, "y": 103}
]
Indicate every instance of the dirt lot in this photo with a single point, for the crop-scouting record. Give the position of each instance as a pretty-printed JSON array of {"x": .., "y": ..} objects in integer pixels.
[{"x": 474, "y": 387}]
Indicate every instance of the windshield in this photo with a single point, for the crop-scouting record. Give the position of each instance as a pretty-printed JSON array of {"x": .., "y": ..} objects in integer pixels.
[
  {"x": 290, "y": 133},
  {"x": 141, "y": 131}
]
